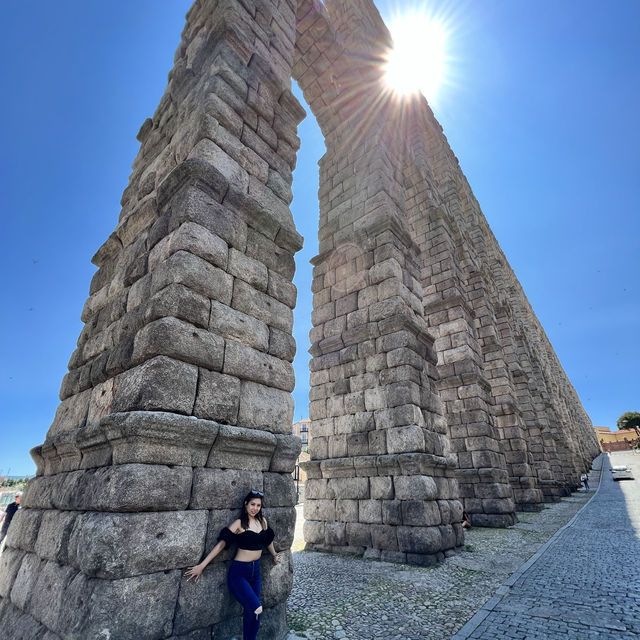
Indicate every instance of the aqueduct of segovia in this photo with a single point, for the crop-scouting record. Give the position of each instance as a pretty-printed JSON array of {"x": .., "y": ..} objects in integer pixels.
[{"x": 433, "y": 384}]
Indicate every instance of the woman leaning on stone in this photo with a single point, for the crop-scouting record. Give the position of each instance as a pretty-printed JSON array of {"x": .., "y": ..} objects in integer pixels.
[{"x": 250, "y": 533}]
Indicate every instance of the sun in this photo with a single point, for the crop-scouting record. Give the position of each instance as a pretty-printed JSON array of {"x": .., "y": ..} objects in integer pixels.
[{"x": 417, "y": 62}]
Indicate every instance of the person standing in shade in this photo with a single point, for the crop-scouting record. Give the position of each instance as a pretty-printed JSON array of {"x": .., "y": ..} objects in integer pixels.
[
  {"x": 250, "y": 533},
  {"x": 8, "y": 514},
  {"x": 585, "y": 480}
]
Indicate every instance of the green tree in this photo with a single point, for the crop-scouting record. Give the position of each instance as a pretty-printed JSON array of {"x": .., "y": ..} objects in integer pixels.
[{"x": 629, "y": 420}]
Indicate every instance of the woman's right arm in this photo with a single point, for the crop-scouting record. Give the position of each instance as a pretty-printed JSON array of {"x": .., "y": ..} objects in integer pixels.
[{"x": 196, "y": 572}]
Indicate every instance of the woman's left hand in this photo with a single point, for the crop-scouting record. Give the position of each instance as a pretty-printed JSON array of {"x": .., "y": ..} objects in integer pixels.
[{"x": 276, "y": 559}]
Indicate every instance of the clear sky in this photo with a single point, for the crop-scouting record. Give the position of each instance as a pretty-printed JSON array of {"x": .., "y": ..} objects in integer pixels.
[{"x": 540, "y": 105}]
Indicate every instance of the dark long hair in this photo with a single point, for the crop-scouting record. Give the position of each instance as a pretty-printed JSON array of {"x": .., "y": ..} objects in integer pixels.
[{"x": 244, "y": 516}]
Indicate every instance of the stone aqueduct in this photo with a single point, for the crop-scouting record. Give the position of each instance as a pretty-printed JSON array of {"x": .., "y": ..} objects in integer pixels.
[{"x": 433, "y": 384}]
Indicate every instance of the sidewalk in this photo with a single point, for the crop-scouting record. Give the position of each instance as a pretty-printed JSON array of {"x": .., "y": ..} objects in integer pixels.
[
  {"x": 586, "y": 582},
  {"x": 338, "y": 597}
]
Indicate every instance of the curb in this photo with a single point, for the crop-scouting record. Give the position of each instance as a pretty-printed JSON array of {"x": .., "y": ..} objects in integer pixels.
[{"x": 465, "y": 632}]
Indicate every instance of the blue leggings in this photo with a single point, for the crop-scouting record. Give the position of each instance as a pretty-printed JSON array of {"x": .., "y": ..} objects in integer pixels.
[{"x": 244, "y": 580}]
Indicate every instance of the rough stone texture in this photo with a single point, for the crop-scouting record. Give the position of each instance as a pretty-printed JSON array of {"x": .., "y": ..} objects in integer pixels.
[
  {"x": 21, "y": 626},
  {"x": 22, "y": 589},
  {"x": 152, "y": 596},
  {"x": 433, "y": 384},
  {"x": 50, "y": 594},
  {"x": 497, "y": 402},
  {"x": 10, "y": 562},
  {"x": 160, "y": 384},
  {"x": 373, "y": 369},
  {"x": 205, "y": 602},
  {"x": 263, "y": 407},
  {"x": 107, "y": 545},
  {"x": 218, "y": 488}
]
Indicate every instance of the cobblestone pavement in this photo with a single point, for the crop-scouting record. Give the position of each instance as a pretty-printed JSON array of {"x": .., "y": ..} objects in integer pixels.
[
  {"x": 337, "y": 597},
  {"x": 586, "y": 584}
]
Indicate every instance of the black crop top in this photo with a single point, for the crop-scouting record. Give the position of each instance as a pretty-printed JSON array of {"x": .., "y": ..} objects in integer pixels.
[{"x": 248, "y": 540}]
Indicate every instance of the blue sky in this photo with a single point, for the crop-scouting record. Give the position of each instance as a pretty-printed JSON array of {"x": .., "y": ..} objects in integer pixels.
[{"x": 541, "y": 107}]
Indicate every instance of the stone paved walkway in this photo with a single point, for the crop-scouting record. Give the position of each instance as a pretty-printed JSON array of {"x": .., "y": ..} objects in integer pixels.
[
  {"x": 343, "y": 597},
  {"x": 586, "y": 584}
]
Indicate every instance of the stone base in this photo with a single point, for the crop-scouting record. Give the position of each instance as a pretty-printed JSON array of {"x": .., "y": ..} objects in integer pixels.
[
  {"x": 400, "y": 507},
  {"x": 420, "y": 545},
  {"x": 532, "y": 507},
  {"x": 120, "y": 536},
  {"x": 344, "y": 550},
  {"x": 554, "y": 492},
  {"x": 18, "y": 625},
  {"x": 397, "y": 557},
  {"x": 526, "y": 498},
  {"x": 493, "y": 519},
  {"x": 21, "y": 626}
]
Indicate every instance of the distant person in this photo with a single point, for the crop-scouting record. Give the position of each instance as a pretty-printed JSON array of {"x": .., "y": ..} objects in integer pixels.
[
  {"x": 8, "y": 514},
  {"x": 466, "y": 520},
  {"x": 585, "y": 481}
]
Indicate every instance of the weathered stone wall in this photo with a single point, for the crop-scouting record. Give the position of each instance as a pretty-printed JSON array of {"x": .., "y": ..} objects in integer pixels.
[
  {"x": 516, "y": 424},
  {"x": 432, "y": 382},
  {"x": 381, "y": 480}
]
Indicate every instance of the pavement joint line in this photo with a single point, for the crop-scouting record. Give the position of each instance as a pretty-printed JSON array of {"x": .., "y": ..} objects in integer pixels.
[{"x": 504, "y": 589}]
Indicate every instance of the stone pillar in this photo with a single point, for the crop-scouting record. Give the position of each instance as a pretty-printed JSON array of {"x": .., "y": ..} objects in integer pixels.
[
  {"x": 466, "y": 394},
  {"x": 178, "y": 397},
  {"x": 567, "y": 456},
  {"x": 380, "y": 480},
  {"x": 541, "y": 448},
  {"x": 380, "y": 477},
  {"x": 506, "y": 412},
  {"x": 528, "y": 494},
  {"x": 435, "y": 212}
]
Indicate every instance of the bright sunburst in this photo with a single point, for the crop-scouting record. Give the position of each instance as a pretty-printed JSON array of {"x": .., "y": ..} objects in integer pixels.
[{"x": 417, "y": 61}]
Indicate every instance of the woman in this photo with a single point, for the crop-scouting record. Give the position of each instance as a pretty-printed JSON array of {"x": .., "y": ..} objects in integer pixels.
[{"x": 250, "y": 533}]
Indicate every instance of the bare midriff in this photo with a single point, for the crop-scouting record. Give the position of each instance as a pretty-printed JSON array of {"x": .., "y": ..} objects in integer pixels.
[{"x": 248, "y": 555}]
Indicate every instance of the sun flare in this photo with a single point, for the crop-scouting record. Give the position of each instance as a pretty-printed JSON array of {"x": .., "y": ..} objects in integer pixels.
[{"x": 417, "y": 61}]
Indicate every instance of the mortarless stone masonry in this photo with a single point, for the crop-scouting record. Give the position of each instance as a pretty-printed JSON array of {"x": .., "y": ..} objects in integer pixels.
[{"x": 433, "y": 385}]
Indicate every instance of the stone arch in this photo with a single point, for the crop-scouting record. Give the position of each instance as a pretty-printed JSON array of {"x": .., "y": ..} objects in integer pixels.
[
  {"x": 380, "y": 478},
  {"x": 178, "y": 397}
]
